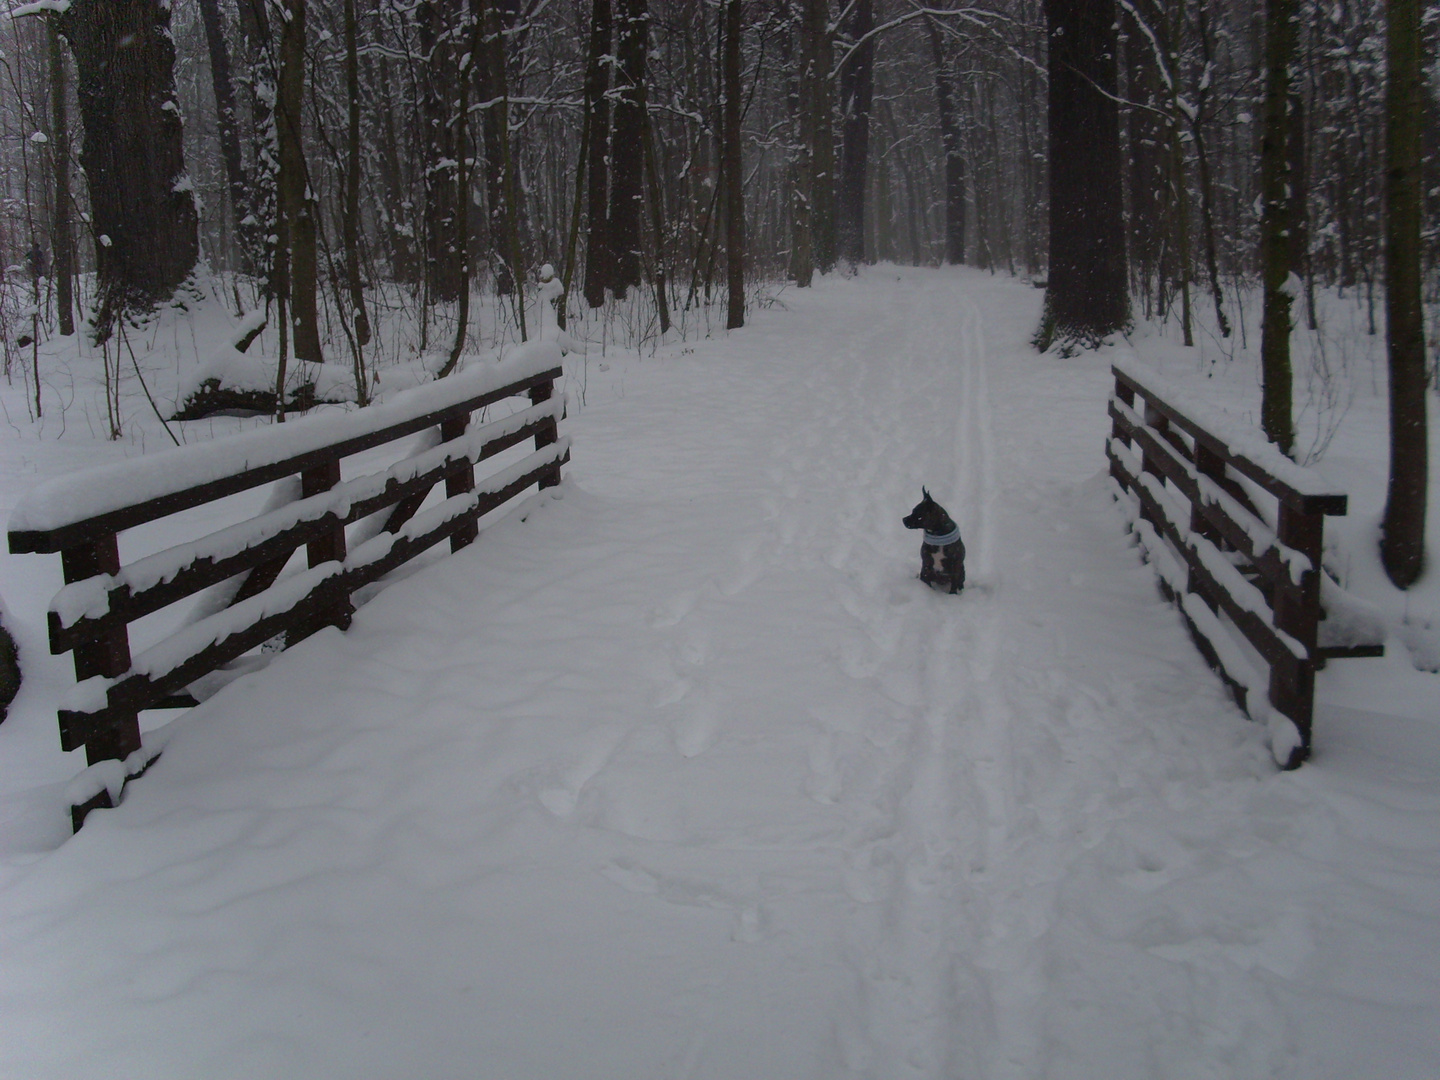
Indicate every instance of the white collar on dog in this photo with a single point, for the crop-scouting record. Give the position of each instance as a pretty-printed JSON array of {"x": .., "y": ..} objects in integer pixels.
[{"x": 943, "y": 541}]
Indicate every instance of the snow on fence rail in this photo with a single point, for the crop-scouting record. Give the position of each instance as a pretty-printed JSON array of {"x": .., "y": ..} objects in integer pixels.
[
  {"x": 1235, "y": 532},
  {"x": 79, "y": 516}
]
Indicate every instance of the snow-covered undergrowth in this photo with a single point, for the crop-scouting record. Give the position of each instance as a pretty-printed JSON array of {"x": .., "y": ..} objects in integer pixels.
[{"x": 680, "y": 771}]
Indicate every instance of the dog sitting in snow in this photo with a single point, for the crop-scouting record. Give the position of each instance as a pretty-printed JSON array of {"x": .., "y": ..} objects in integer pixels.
[{"x": 942, "y": 554}]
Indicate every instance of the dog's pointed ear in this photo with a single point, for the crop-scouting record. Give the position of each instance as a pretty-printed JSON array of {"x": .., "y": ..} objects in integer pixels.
[{"x": 925, "y": 492}]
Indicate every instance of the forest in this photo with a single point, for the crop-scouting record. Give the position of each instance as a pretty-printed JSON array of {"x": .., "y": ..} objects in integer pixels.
[{"x": 349, "y": 165}]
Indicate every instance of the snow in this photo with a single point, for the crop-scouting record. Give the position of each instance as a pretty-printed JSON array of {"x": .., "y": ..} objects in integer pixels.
[
  {"x": 1240, "y": 439},
  {"x": 77, "y": 497},
  {"x": 89, "y": 598},
  {"x": 35, "y": 7},
  {"x": 680, "y": 771}
]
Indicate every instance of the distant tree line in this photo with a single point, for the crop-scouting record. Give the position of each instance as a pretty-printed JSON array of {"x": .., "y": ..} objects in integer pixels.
[{"x": 1154, "y": 157}]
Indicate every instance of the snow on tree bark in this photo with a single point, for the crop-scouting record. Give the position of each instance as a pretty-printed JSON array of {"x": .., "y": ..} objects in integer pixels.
[{"x": 142, "y": 204}]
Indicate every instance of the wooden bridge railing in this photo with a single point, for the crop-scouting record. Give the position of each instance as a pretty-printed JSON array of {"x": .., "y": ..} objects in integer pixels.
[
  {"x": 1236, "y": 533},
  {"x": 79, "y": 516}
]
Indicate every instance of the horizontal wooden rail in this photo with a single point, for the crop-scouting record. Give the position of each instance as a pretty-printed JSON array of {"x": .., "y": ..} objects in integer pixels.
[
  {"x": 1248, "y": 587},
  {"x": 256, "y": 601}
]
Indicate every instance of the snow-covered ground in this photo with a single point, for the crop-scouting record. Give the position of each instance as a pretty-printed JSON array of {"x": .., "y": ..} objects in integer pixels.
[{"x": 680, "y": 772}]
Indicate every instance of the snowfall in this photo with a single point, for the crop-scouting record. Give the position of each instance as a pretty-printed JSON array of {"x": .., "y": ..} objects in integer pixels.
[{"x": 679, "y": 771}]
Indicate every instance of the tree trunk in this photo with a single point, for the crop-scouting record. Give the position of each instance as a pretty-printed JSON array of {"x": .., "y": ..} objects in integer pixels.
[
  {"x": 1277, "y": 226},
  {"x": 657, "y": 217},
  {"x": 1402, "y": 546},
  {"x": 1145, "y": 135},
  {"x": 142, "y": 204},
  {"x": 950, "y": 141},
  {"x": 819, "y": 43},
  {"x": 437, "y": 20},
  {"x": 297, "y": 201},
  {"x": 62, "y": 240},
  {"x": 1087, "y": 297},
  {"x": 627, "y": 147},
  {"x": 350, "y": 226},
  {"x": 475, "y": 38},
  {"x": 597, "y": 182},
  {"x": 263, "y": 207},
  {"x": 813, "y": 245},
  {"x": 495, "y": 131},
  {"x": 734, "y": 178},
  {"x": 857, "y": 84},
  {"x": 228, "y": 130},
  {"x": 394, "y": 211}
]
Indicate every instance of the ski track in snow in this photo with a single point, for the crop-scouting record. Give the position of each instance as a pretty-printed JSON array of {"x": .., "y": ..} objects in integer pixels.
[{"x": 682, "y": 772}]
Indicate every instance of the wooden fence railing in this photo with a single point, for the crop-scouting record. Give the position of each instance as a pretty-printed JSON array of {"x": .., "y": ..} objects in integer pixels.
[
  {"x": 80, "y": 516},
  {"x": 1236, "y": 533}
]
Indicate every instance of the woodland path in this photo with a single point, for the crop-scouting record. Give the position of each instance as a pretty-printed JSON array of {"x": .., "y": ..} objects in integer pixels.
[{"x": 680, "y": 771}]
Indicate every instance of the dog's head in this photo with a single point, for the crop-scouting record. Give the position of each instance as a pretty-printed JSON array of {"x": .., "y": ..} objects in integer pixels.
[{"x": 929, "y": 515}]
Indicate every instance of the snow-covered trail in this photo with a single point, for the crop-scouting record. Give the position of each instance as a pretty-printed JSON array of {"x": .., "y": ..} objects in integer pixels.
[{"x": 682, "y": 773}]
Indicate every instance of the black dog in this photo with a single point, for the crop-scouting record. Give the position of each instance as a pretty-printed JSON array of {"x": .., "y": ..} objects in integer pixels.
[{"x": 942, "y": 555}]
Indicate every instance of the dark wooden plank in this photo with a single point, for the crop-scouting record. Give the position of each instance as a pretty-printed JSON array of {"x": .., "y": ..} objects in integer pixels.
[
  {"x": 1297, "y": 611},
  {"x": 1260, "y": 633},
  {"x": 107, "y": 654},
  {"x": 92, "y": 529},
  {"x": 140, "y": 692},
  {"x": 330, "y": 545},
  {"x": 549, "y": 430},
  {"x": 1269, "y": 564},
  {"x": 459, "y": 480},
  {"x": 264, "y": 560},
  {"x": 1326, "y": 504}
]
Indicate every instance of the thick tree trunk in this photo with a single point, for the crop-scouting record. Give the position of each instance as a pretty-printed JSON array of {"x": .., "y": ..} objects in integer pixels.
[
  {"x": 297, "y": 201},
  {"x": 627, "y": 147},
  {"x": 857, "y": 85},
  {"x": 1277, "y": 226},
  {"x": 734, "y": 178},
  {"x": 950, "y": 141},
  {"x": 597, "y": 180},
  {"x": 62, "y": 240},
  {"x": 1402, "y": 546},
  {"x": 1087, "y": 297},
  {"x": 437, "y": 20},
  {"x": 142, "y": 204}
]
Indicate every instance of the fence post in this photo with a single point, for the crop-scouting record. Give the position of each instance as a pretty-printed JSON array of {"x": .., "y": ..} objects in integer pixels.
[
  {"x": 1212, "y": 465},
  {"x": 107, "y": 654},
  {"x": 459, "y": 479},
  {"x": 335, "y": 609},
  {"x": 1157, "y": 420},
  {"x": 1127, "y": 396},
  {"x": 1297, "y": 613},
  {"x": 549, "y": 431}
]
